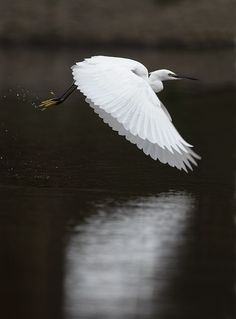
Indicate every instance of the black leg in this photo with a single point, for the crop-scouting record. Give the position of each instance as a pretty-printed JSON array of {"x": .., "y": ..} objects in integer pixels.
[
  {"x": 45, "y": 104},
  {"x": 67, "y": 93}
]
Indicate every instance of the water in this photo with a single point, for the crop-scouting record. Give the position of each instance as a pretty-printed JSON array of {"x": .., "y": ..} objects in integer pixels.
[{"x": 92, "y": 228}]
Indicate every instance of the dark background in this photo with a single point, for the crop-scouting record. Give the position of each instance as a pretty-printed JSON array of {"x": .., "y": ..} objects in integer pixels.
[
  {"x": 163, "y": 23},
  {"x": 90, "y": 227}
]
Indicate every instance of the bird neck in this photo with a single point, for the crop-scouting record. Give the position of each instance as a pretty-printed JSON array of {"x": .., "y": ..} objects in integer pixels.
[{"x": 155, "y": 84}]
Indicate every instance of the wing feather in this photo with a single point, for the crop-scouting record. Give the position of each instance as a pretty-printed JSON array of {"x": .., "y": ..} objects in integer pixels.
[{"x": 126, "y": 102}]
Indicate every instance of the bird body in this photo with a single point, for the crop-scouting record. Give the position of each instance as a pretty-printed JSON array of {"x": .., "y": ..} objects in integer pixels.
[{"x": 123, "y": 94}]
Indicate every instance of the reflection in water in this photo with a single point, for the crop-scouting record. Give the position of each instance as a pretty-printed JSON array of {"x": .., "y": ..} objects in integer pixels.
[{"x": 124, "y": 255}]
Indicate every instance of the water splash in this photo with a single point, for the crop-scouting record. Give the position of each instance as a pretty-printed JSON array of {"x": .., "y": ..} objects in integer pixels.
[{"x": 23, "y": 94}]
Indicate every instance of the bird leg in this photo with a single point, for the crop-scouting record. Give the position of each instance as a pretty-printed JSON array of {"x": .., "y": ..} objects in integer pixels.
[{"x": 54, "y": 101}]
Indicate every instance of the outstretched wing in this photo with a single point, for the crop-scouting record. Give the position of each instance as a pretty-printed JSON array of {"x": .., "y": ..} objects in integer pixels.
[{"x": 117, "y": 89}]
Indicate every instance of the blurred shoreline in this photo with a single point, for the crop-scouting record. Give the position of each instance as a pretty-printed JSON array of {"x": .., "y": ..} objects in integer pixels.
[
  {"x": 163, "y": 45},
  {"x": 132, "y": 23}
]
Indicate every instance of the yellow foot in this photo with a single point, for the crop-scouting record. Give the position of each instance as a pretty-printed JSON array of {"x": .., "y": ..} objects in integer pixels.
[{"x": 47, "y": 103}]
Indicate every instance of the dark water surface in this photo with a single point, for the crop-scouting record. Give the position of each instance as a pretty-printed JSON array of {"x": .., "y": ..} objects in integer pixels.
[{"x": 91, "y": 228}]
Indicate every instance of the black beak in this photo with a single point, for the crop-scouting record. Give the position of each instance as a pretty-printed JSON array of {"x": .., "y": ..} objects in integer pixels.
[{"x": 185, "y": 77}]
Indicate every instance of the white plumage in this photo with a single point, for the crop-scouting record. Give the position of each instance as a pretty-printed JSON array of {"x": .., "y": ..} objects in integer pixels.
[{"x": 124, "y": 96}]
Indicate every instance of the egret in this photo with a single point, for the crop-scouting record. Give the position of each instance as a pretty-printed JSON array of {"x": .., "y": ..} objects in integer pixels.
[{"x": 123, "y": 93}]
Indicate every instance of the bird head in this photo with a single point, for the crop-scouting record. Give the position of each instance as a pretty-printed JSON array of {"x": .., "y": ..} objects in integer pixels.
[{"x": 164, "y": 75}]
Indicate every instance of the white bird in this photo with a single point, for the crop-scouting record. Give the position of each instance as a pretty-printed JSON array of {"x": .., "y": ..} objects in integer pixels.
[{"x": 123, "y": 94}]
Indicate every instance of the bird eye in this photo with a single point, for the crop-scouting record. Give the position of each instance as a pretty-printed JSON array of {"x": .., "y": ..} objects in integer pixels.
[{"x": 170, "y": 74}]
